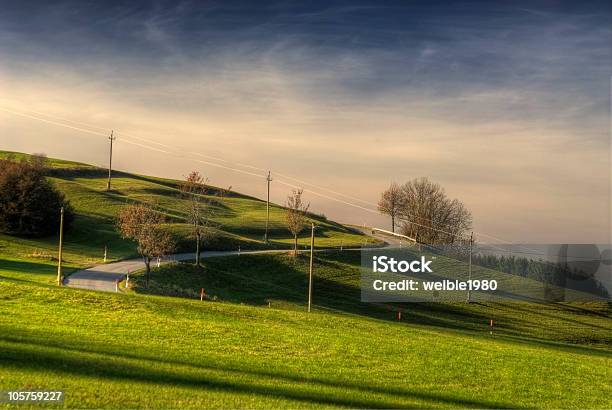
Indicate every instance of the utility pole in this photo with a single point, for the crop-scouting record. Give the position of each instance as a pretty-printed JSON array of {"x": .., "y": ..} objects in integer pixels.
[
  {"x": 311, "y": 261},
  {"x": 110, "y": 160},
  {"x": 469, "y": 295},
  {"x": 61, "y": 244},
  {"x": 268, "y": 179}
]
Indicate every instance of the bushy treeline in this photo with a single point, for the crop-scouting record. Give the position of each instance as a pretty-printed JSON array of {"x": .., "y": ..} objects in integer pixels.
[
  {"x": 29, "y": 204},
  {"x": 540, "y": 270},
  {"x": 535, "y": 269}
]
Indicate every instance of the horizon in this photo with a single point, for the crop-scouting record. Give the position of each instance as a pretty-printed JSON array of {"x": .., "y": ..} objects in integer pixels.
[{"x": 507, "y": 107}]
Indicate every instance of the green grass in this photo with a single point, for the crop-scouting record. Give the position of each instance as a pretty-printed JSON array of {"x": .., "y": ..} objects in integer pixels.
[
  {"x": 239, "y": 220},
  {"x": 109, "y": 350},
  {"x": 281, "y": 281},
  {"x": 256, "y": 346}
]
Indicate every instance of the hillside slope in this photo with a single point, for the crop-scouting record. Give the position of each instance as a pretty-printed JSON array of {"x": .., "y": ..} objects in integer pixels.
[
  {"x": 239, "y": 221},
  {"x": 142, "y": 350}
]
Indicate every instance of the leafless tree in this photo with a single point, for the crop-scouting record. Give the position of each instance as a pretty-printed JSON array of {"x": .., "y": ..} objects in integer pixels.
[
  {"x": 143, "y": 224},
  {"x": 296, "y": 216},
  {"x": 428, "y": 215},
  {"x": 391, "y": 202},
  {"x": 199, "y": 209}
]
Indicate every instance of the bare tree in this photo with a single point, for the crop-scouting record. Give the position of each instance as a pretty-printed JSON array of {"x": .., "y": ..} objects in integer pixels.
[
  {"x": 199, "y": 210},
  {"x": 391, "y": 202},
  {"x": 428, "y": 215},
  {"x": 142, "y": 224},
  {"x": 296, "y": 216}
]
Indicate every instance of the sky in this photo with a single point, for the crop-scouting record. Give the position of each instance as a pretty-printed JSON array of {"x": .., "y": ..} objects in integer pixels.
[{"x": 505, "y": 104}]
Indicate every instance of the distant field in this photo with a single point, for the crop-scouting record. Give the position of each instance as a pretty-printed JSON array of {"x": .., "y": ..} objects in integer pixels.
[{"x": 239, "y": 221}]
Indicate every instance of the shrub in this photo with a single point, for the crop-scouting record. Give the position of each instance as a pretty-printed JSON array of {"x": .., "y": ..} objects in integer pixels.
[{"x": 29, "y": 203}]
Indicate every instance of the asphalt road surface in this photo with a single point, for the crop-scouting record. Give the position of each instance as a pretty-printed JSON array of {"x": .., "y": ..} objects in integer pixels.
[{"x": 104, "y": 277}]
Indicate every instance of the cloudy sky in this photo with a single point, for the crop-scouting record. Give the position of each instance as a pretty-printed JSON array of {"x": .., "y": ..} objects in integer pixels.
[{"x": 506, "y": 105}]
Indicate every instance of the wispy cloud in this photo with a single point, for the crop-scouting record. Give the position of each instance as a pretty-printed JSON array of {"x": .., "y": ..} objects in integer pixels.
[{"x": 491, "y": 102}]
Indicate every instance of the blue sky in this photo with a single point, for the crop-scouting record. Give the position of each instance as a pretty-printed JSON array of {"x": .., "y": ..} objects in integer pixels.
[{"x": 506, "y": 104}]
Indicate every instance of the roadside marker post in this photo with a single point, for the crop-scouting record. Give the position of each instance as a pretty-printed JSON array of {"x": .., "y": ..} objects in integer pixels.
[
  {"x": 105, "y": 251},
  {"x": 127, "y": 279},
  {"x": 201, "y": 294},
  {"x": 399, "y": 315},
  {"x": 116, "y": 285},
  {"x": 491, "y": 326}
]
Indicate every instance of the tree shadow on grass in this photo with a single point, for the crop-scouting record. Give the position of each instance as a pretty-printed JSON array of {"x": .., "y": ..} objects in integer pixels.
[
  {"x": 32, "y": 268},
  {"x": 546, "y": 315},
  {"x": 100, "y": 173},
  {"x": 242, "y": 279},
  {"x": 37, "y": 356},
  {"x": 233, "y": 279}
]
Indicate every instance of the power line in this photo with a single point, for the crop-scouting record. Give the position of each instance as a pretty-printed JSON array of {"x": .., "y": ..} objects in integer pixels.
[
  {"x": 218, "y": 165},
  {"x": 325, "y": 189},
  {"x": 52, "y": 122},
  {"x": 179, "y": 153},
  {"x": 289, "y": 184}
]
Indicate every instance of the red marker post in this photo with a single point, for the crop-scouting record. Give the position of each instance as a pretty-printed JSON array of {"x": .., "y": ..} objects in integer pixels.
[
  {"x": 399, "y": 315},
  {"x": 491, "y": 326}
]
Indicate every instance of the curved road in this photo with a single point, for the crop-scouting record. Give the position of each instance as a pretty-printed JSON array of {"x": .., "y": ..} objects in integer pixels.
[{"x": 103, "y": 277}]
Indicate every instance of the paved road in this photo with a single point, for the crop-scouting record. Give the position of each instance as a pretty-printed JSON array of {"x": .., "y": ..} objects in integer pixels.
[
  {"x": 390, "y": 241},
  {"x": 103, "y": 277}
]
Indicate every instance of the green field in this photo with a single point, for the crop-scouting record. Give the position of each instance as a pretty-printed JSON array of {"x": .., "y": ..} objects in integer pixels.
[
  {"x": 256, "y": 346},
  {"x": 114, "y": 350},
  {"x": 280, "y": 280},
  {"x": 239, "y": 221}
]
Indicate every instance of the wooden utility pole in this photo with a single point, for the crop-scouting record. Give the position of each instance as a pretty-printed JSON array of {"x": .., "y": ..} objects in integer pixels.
[
  {"x": 469, "y": 295},
  {"x": 268, "y": 179},
  {"x": 311, "y": 265},
  {"x": 61, "y": 244},
  {"x": 110, "y": 160}
]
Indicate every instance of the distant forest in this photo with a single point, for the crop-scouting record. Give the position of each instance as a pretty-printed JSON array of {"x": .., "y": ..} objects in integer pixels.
[{"x": 542, "y": 271}]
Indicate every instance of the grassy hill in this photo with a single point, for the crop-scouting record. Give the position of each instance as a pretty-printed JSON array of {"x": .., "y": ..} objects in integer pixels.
[
  {"x": 279, "y": 280},
  {"x": 257, "y": 347},
  {"x": 239, "y": 221}
]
